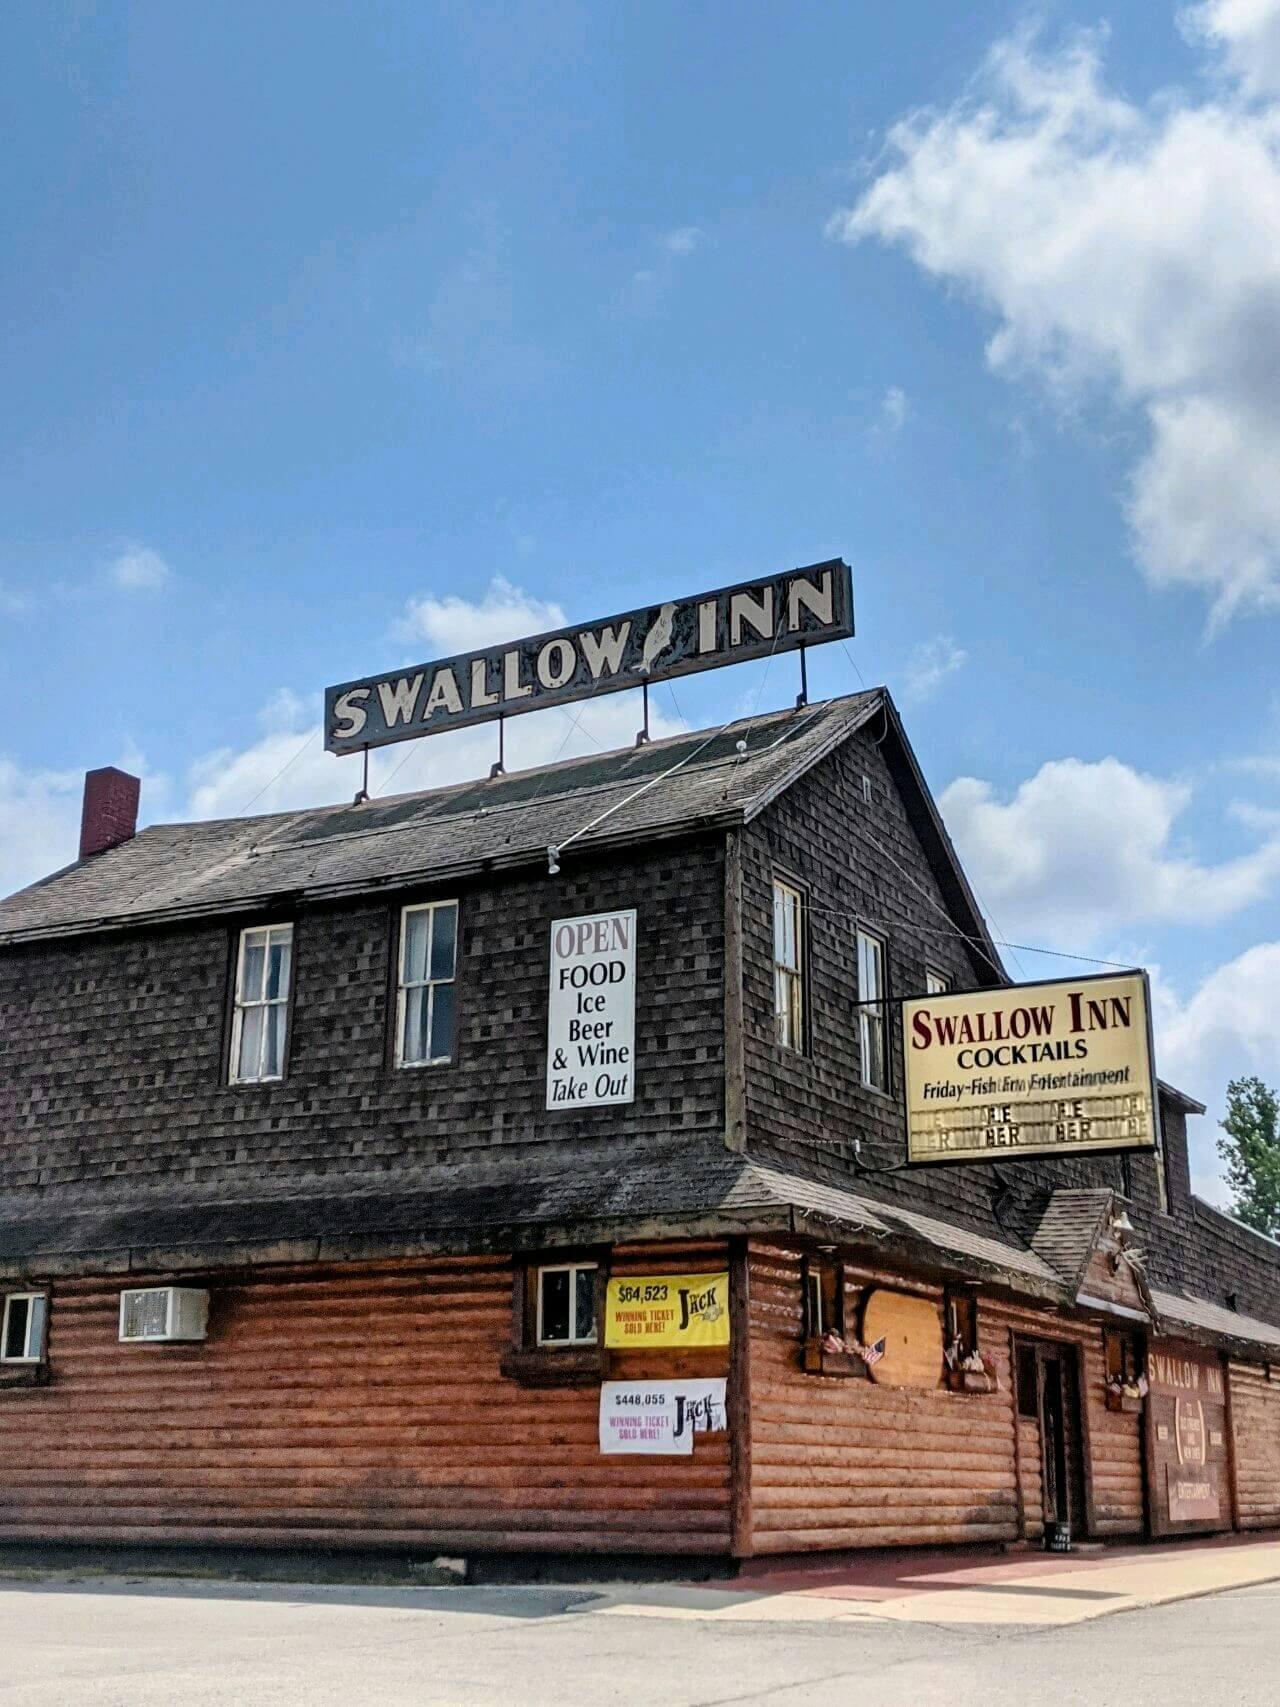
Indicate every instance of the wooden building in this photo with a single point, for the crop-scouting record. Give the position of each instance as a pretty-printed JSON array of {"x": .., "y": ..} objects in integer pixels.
[{"x": 295, "y": 1252}]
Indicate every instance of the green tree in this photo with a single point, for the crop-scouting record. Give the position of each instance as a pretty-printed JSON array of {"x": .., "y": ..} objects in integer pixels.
[{"x": 1251, "y": 1150}]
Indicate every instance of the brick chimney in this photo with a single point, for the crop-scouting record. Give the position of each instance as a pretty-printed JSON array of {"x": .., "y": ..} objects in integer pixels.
[{"x": 110, "y": 814}]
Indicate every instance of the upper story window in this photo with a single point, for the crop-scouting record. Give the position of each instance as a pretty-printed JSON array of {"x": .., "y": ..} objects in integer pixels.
[
  {"x": 788, "y": 965},
  {"x": 22, "y": 1336},
  {"x": 567, "y": 1304},
  {"x": 872, "y": 993},
  {"x": 935, "y": 983},
  {"x": 428, "y": 966},
  {"x": 259, "y": 1029}
]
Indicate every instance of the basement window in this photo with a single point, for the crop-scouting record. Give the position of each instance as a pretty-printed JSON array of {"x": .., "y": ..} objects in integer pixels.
[
  {"x": 22, "y": 1336},
  {"x": 259, "y": 1028},
  {"x": 427, "y": 970},
  {"x": 567, "y": 1304}
]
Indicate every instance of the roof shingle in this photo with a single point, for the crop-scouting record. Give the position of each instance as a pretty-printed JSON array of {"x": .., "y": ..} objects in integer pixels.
[{"x": 185, "y": 870}]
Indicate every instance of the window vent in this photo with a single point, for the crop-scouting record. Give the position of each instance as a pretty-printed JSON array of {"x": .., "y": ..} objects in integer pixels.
[
  {"x": 866, "y": 788},
  {"x": 164, "y": 1314}
]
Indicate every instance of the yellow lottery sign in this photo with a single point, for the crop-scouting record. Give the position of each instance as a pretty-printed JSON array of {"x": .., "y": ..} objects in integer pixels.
[{"x": 667, "y": 1310}]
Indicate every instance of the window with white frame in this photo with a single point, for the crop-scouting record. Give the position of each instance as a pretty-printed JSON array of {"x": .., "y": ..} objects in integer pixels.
[
  {"x": 428, "y": 967},
  {"x": 935, "y": 983},
  {"x": 22, "y": 1336},
  {"x": 567, "y": 1304},
  {"x": 264, "y": 968},
  {"x": 788, "y": 965},
  {"x": 872, "y": 1031}
]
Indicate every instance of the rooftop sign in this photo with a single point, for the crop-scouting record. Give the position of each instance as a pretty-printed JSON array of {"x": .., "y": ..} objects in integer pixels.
[
  {"x": 752, "y": 620},
  {"x": 1056, "y": 1069}
]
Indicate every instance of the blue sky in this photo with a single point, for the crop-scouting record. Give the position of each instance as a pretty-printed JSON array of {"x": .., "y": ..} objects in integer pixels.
[{"x": 333, "y": 335}]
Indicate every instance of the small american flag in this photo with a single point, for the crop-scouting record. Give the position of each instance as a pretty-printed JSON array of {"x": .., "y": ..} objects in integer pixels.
[{"x": 873, "y": 1353}]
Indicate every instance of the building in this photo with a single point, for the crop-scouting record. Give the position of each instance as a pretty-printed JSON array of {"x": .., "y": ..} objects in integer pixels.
[{"x": 295, "y": 1252}]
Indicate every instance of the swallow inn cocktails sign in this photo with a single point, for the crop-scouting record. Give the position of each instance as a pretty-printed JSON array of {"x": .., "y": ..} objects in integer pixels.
[
  {"x": 755, "y": 619},
  {"x": 1054, "y": 1069}
]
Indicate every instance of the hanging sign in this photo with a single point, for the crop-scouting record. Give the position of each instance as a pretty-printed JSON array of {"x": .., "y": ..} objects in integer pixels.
[
  {"x": 753, "y": 619},
  {"x": 1056, "y": 1069},
  {"x": 659, "y": 1417},
  {"x": 591, "y": 1011},
  {"x": 667, "y": 1310}
]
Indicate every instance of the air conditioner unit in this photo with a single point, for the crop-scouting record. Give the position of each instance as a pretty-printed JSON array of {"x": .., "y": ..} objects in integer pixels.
[{"x": 164, "y": 1314}]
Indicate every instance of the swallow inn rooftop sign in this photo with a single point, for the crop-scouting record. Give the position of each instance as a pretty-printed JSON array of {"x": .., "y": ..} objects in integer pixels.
[{"x": 752, "y": 620}]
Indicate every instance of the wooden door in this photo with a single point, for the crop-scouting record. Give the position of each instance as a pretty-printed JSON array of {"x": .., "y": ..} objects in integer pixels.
[{"x": 1054, "y": 1402}]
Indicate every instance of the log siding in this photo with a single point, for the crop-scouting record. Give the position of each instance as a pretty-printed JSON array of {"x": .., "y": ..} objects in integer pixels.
[
  {"x": 348, "y": 1408},
  {"x": 1255, "y": 1415},
  {"x": 841, "y": 1462}
]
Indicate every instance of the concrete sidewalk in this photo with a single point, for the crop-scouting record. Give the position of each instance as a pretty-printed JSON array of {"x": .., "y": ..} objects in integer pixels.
[{"x": 1030, "y": 1588}]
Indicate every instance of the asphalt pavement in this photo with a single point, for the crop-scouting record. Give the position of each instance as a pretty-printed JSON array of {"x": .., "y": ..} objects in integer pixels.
[{"x": 117, "y": 1643}]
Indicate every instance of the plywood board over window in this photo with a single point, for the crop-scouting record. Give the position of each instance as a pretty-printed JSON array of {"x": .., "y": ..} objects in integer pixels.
[{"x": 911, "y": 1328}]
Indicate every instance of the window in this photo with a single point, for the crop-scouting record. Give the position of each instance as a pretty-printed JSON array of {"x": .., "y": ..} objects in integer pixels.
[
  {"x": 935, "y": 983},
  {"x": 871, "y": 1014},
  {"x": 1122, "y": 1355},
  {"x": 567, "y": 1304},
  {"x": 788, "y": 965},
  {"x": 22, "y": 1337},
  {"x": 428, "y": 965},
  {"x": 960, "y": 1315},
  {"x": 258, "y": 1030},
  {"x": 824, "y": 1284}
]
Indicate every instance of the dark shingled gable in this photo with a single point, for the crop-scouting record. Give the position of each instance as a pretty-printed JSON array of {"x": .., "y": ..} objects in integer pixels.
[{"x": 179, "y": 871}]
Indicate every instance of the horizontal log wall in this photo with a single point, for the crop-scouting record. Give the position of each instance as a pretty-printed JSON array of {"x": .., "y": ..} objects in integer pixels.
[
  {"x": 1255, "y": 1418},
  {"x": 355, "y": 1407},
  {"x": 1030, "y": 1478},
  {"x": 842, "y": 1462}
]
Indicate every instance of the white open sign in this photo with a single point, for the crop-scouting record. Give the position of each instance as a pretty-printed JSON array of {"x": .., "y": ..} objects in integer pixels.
[{"x": 591, "y": 1011}]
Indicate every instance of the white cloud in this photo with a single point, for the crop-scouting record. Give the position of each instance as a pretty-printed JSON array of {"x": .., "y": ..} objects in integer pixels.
[
  {"x": 39, "y": 823},
  {"x": 1129, "y": 246},
  {"x": 13, "y": 603},
  {"x": 454, "y": 624},
  {"x": 893, "y": 410},
  {"x": 648, "y": 285},
  {"x": 1085, "y": 849},
  {"x": 929, "y": 665},
  {"x": 1227, "y": 1027},
  {"x": 1248, "y": 33},
  {"x": 139, "y": 569}
]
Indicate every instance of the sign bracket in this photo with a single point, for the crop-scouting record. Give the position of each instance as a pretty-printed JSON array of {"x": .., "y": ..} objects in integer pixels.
[{"x": 642, "y": 739}]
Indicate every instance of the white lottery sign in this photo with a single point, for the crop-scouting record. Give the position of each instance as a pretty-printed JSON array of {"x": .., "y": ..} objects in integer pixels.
[{"x": 659, "y": 1416}]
